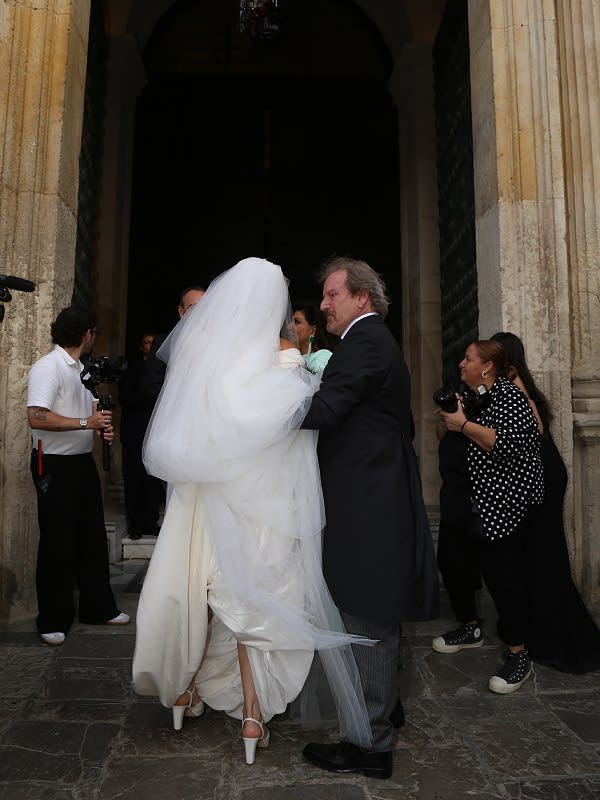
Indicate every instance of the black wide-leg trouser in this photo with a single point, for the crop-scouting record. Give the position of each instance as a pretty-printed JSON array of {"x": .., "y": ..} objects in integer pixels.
[
  {"x": 504, "y": 570},
  {"x": 458, "y": 559},
  {"x": 72, "y": 547}
]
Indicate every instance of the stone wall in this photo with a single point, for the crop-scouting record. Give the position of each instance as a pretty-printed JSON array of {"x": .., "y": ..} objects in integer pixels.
[
  {"x": 578, "y": 25},
  {"x": 536, "y": 103},
  {"x": 43, "y": 50}
]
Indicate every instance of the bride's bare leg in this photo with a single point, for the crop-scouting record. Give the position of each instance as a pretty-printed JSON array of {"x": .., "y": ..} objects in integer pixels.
[
  {"x": 184, "y": 699},
  {"x": 251, "y": 704}
]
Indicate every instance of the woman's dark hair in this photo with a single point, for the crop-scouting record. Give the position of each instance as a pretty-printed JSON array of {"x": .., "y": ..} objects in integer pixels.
[
  {"x": 68, "y": 328},
  {"x": 515, "y": 353},
  {"x": 489, "y": 350},
  {"x": 314, "y": 316}
]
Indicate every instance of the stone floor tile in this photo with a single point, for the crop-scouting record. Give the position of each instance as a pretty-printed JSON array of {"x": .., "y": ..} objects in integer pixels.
[
  {"x": 97, "y": 742},
  {"x": 160, "y": 779},
  {"x": 20, "y": 670},
  {"x": 580, "y": 714},
  {"x": 76, "y": 710},
  {"x": 97, "y": 683},
  {"x": 112, "y": 641},
  {"x": 34, "y": 791},
  {"x": 303, "y": 791},
  {"x": 58, "y": 738},
  {"x": 530, "y": 745},
  {"x": 26, "y": 764},
  {"x": 148, "y": 731},
  {"x": 469, "y": 707},
  {"x": 427, "y": 724},
  {"x": 549, "y": 680},
  {"x": 567, "y": 789},
  {"x": 439, "y": 773},
  {"x": 10, "y": 710},
  {"x": 27, "y": 637}
]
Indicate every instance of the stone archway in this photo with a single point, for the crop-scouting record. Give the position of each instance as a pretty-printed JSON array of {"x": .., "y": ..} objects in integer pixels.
[
  {"x": 536, "y": 165},
  {"x": 39, "y": 211}
]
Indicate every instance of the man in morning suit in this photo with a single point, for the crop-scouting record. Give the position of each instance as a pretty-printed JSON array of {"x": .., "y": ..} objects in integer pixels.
[{"x": 378, "y": 556}]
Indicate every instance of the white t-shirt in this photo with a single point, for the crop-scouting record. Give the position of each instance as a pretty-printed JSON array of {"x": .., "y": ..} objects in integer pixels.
[{"x": 54, "y": 383}]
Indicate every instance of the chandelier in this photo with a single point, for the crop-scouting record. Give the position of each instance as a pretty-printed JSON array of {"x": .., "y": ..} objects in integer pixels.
[{"x": 260, "y": 18}]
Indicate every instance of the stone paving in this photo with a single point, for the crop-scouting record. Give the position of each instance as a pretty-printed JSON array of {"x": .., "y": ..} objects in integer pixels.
[{"x": 72, "y": 729}]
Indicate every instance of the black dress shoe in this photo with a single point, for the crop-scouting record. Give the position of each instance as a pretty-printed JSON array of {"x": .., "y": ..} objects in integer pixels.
[
  {"x": 346, "y": 757},
  {"x": 397, "y": 715},
  {"x": 135, "y": 535}
]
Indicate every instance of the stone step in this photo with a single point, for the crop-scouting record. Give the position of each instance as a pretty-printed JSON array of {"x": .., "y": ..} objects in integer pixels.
[
  {"x": 138, "y": 548},
  {"x": 121, "y": 547}
]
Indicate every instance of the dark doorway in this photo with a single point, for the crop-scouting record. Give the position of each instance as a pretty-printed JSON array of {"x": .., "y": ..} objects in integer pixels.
[
  {"x": 456, "y": 191},
  {"x": 289, "y": 168}
]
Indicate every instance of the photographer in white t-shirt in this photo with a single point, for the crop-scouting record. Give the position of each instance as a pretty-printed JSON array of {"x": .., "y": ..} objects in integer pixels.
[{"x": 63, "y": 416}]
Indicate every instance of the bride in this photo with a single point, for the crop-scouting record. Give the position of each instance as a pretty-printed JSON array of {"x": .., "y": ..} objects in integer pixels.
[{"x": 234, "y": 604}]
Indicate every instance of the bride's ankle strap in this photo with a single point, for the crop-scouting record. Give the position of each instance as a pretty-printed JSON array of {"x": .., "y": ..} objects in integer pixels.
[{"x": 258, "y": 722}]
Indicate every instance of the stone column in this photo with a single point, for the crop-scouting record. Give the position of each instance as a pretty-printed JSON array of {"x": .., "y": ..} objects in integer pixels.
[
  {"x": 579, "y": 48},
  {"x": 43, "y": 55},
  {"x": 537, "y": 221},
  {"x": 411, "y": 86}
]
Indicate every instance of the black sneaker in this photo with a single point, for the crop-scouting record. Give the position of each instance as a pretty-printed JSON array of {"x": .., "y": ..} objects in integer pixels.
[
  {"x": 515, "y": 671},
  {"x": 468, "y": 635}
]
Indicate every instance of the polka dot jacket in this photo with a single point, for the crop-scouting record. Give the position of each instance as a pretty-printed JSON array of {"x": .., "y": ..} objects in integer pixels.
[{"x": 509, "y": 479}]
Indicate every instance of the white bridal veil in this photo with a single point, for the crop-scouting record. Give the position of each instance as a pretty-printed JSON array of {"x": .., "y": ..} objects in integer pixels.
[{"x": 226, "y": 421}]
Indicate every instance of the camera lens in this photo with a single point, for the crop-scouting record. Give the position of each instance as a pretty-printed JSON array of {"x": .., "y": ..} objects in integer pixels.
[{"x": 446, "y": 400}]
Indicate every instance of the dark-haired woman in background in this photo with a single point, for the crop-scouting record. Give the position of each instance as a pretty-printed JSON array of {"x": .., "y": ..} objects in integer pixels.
[
  {"x": 315, "y": 343},
  {"x": 563, "y": 635}
]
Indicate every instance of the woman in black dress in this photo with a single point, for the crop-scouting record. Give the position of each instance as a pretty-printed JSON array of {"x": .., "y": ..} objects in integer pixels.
[{"x": 562, "y": 633}]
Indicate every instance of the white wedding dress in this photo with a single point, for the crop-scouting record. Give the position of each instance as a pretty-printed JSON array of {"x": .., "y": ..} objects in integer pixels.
[
  {"x": 184, "y": 620},
  {"x": 238, "y": 558}
]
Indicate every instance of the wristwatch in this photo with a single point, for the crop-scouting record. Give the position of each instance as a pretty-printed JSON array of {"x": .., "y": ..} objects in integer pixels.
[{"x": 83, "y": 423}]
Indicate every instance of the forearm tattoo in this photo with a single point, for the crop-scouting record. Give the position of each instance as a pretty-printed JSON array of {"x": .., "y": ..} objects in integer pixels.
[{"x": 41, "y": 414}]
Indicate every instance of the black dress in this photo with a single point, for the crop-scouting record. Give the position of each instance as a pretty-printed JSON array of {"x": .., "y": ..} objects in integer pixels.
[{"x": 563, "y": 635}]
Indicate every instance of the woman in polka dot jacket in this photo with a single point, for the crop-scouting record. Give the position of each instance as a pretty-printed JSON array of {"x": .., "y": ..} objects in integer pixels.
[{"x": 506, "y": 478}]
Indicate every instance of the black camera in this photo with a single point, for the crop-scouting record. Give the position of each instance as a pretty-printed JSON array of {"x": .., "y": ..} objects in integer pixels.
[
  {"x": 473, "y": 400},
  {"x": 102, "y": 369},
  {"x": 97, "y": 370},
  {"x": 11, "y": 282},
  {"x": 446, "y": 399}
]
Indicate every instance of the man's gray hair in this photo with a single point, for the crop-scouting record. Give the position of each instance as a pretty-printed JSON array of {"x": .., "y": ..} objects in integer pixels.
[{"x": 360, "y": 277}]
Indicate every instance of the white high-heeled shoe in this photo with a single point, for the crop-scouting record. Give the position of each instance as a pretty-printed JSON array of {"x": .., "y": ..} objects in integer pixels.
[
  {"x": 250, "y": 745},
  {"x": 188, "y": 710}
]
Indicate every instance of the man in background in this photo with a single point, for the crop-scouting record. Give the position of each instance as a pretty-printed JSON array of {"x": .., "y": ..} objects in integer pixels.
[
  {"x": 154, "y": 375},
  {"x": 144, "y": 493}
]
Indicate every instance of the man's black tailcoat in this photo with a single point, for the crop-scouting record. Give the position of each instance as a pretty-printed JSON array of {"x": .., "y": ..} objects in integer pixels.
[{"x": 378, "y": 556}]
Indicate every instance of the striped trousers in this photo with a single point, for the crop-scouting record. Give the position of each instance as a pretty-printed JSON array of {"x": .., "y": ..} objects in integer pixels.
[{"x": 378, "y": 670}]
